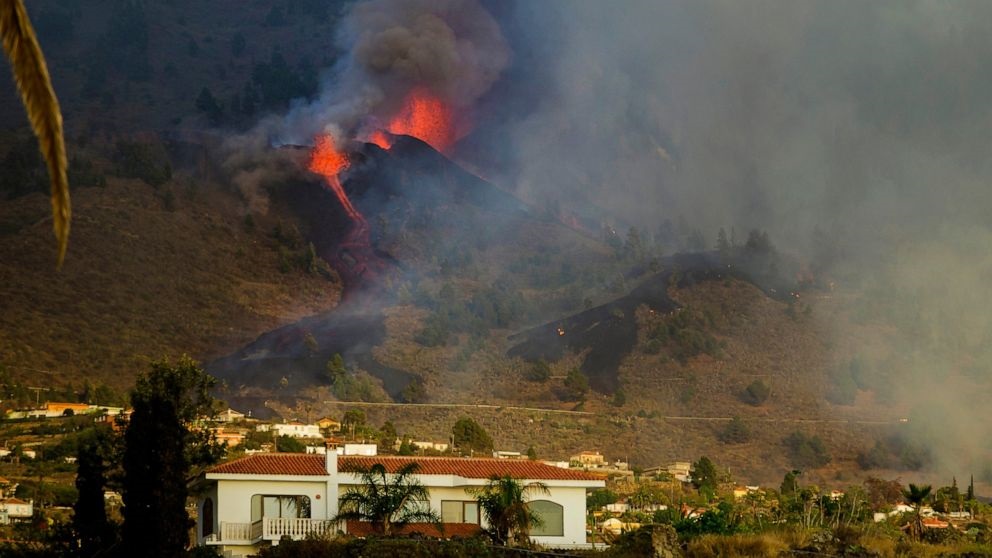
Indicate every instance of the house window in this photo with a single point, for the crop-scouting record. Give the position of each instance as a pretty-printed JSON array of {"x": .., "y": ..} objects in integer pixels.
[
  {"x": 208, "y": 517},
  {"x": 291, "y": 507},
  {"x": 457, "y": 511},
  {"x": 552, "y": 518}
]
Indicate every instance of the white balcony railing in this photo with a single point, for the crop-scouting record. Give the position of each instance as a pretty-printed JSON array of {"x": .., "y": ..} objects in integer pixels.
[
  {"x": 271, "y": 529},
  {"x": 275, "y": 528}
]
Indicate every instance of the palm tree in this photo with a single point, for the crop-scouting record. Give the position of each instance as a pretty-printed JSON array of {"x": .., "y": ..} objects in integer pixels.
[
  {"x": 917, "y": 495},
  {"x": 503, "y": 501},
  {"x": 35, "y": 86},
  {"x": 388, "y": 501}
]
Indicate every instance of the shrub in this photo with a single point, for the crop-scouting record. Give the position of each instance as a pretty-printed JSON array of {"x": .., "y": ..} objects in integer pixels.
[
  {"x": 143, "y": 161},
  {"x": 539, "y": 372},
  {"x": 757, "y": 393},
  {"x": 736, "y": 432},
  {"x": 806, "y": 451}
]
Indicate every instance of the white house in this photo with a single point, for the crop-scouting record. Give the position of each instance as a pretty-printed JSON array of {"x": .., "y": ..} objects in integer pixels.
[
  {"x": 296, "y": 430},
  {"x": 263, "y": 497},
  {"x": 14, "y": 509}
]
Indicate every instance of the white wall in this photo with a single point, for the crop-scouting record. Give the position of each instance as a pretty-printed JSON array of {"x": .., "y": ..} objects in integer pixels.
[
  {"x": 233, "y": 501},
  {"x": 571, "y": 498}
]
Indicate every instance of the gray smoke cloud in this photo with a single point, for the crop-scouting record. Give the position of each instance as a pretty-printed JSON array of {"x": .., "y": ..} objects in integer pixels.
[
  {"x": 452, "y": 48},
  {"x": 868, "y": 122}
]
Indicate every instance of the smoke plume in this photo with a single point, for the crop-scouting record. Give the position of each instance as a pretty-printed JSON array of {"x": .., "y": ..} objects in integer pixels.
[
  {"x": 452, "y": 48},
  {"x": 855, "y": 133}
]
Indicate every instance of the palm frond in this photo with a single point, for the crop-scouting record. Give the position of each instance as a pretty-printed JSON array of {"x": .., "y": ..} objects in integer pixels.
[{"x": 35, "y": 87}]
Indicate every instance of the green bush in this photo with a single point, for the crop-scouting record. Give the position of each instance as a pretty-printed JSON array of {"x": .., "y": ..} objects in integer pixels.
[{"x": 757, "y": 393}]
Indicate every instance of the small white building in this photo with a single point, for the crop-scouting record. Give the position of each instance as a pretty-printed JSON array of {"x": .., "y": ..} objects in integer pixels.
[
  {"x": 260, "y": 498},
  {"x": 368, "y": 450},
  {"x": 229, "y": 415},
  {"x": 297, "y": 430},
  {"x": 15, "y": 509}
]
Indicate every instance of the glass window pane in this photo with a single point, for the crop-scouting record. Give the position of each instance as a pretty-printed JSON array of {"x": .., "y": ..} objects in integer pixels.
[
  {"x": 256, "y": 508},
  {"x": 552, "y": 516},
  {"x": 472, "y": 512},
  {"x": 270, "y": 506},
  {"x": 451, "y": 511}
]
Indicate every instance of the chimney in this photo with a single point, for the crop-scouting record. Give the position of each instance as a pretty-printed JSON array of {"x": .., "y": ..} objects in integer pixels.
[{"x": 330, "y": 460}]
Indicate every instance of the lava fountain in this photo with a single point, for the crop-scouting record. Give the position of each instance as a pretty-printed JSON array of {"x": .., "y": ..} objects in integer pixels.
[
  {"x": 354, "y": 257},
  {"x": 423, "y": 116}
]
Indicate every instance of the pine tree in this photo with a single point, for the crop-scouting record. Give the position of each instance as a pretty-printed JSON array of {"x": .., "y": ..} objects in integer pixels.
[{"x": 160, "y": 451}]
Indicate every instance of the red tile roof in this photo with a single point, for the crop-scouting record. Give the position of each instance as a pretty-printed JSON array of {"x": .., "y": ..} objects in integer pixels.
[
  {"x": 363, "y": 529},
  {"x": 302, "y": 464},
  {"x": 274, "y": 464},
  {"x": 471, "y": 468}
]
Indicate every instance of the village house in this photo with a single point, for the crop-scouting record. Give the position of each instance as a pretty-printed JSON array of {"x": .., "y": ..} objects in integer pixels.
[
  {"x": 263, "y": 497},
  {"x": 229, "y": 438},
  {"x": 292, "y": 429},
  {"x": 327, "y": 423},
  {"x": 229, "y": 415},
  {"x": 54, "y": 409},
  {"x": 15, "y": 509},
  {"x": 588, "y": 459}
]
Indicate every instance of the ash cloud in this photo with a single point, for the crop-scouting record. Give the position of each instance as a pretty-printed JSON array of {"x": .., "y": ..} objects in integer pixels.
[
  {"x": 453, "y": 48},
  {"x": 867, "y": 122}
]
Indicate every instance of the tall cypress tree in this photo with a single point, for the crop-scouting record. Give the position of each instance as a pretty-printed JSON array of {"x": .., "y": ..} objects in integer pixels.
[
  {"x": 89, "y": 520},
  {"x": 160, "y": 451}
]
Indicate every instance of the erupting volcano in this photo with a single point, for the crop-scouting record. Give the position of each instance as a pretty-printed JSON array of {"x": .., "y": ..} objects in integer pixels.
[
  {"x": 423, "y": 116},
  {"x": 354, "y": 258}
]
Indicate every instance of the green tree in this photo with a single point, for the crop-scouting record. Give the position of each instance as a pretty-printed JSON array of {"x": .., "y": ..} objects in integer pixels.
[
  {"x": 576, "y": 385},
  {"x": 539, "y": 372},
  {"x": 387, "y": 500},
  {"x": 704, "y": 475},
  {"x": 335, "y": 368},
  {"x": 757, "y": 392},
  {"x": 207, "y": 104},
  {"x": 469, "y": 435},
  {"x": 736, "y": 432},
  {"x": 722, "y": 244},
  {"x": 353, "y": 417},
  {"x": 161, "y": 451},
  {"x": 387, "y": 436},
  {"x": 917, "y": 496},
  {"x": 503, "y": 501},
  {"x": 289, "y": 444},
  {"x": 790, "y": 483},
  {"x": 95, "y": 454}
]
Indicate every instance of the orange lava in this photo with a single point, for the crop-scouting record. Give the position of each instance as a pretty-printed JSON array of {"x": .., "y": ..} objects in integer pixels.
[
  {"x": 381, "y": 139},
  {"x": 425, "y": 117},
  {"x": 327, "y": 161}
]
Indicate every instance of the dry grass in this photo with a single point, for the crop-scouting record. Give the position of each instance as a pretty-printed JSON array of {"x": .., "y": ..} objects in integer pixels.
[
  {"x": 141, "y": 282},
  {"x": 736, "y": 546}
]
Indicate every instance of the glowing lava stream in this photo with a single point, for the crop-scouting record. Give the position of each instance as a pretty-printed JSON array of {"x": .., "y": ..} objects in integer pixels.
[
  {"x": 328, "y": 162},
  {"x": 423, "y": 116}
]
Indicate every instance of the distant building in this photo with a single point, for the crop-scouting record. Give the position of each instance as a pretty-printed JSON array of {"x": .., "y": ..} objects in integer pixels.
[
  {"x": 15, "y": 509},
  {"x": 54, "y": 409},
  {"x": 500, "y": 454},
  {"x": 367, "y": 450},
  {"x": 229, "y": 415},
  {"x": 229, "y": 438},
  {"x": 297, "y": 430},
  {"x": 589, "y": 459},
  {"x": 327, "y": 423}
]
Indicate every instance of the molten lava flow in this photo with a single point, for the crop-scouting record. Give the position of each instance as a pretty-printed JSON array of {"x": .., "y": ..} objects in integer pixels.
[
  {"x": 425, "y": 117},
  {"x": 328, "y": 162},
  {"x": 380, "y": 138}
]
